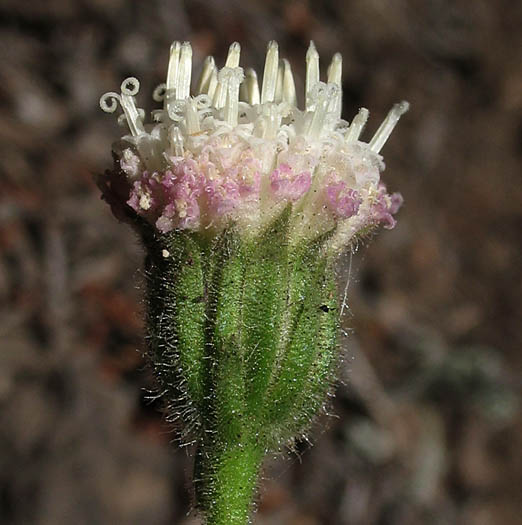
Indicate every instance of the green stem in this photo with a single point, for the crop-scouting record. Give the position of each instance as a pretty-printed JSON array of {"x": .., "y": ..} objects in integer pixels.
[{"x": 227, "y": 482}]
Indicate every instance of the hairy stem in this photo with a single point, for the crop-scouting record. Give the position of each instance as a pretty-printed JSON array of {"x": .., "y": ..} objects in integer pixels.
[{"x": 226, "y": 478}]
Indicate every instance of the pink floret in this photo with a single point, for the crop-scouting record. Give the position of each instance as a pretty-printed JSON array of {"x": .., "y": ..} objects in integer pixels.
[
  {"x": 146, "y": 190},
  {"x": 133, "y": 201},
  {"x": 343, "y": 201},
  {"x": 385, "y": 207},
  {"x": 168, "y": 199},
  {"x": 249, "y": 179},
  {"x": 287, "y": 185},
  {"x": 223, "y": 196}
]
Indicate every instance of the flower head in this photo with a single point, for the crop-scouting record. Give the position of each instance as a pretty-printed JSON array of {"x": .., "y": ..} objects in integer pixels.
[
  {"x": 237, "y": 153},
  {"x": 243, "y": 200}
]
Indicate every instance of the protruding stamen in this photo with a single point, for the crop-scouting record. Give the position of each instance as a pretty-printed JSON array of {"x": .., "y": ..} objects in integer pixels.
[
  {"x": 249, "y": 90},
  {"x": 335, "y": 73},
  {"x": 335, "y": 70},
  {"x": 129, "y": 88},
  {"x": 385, "y": 129},
  {"x": 233, "y": 55},
  {"x": 172, "y": 73},
  {"x": 131, "y": 114},
  {"x": 270, "y": 73},
  {"x": 212, "y": 84},
  {"x": 220, "y": 94},
  {"x": 231, "y": 106},
  {"x": 110, "y": 107},
  {"x": 191, "y": 117},
  {"x": 323, "y": 96},
  {"x": 270, "y": 122},
  {"x": 357, "y": 125},
  {"x": 312, "y": 74},
  {"x": 159, "y": 92},
  {"x": 289, "y": 93},
  {"x": 206, "y": 73},
  {"x": 278, "y": 94},
  {"x": 184, "y": 72},
  {"x": 176, "y": 141}
]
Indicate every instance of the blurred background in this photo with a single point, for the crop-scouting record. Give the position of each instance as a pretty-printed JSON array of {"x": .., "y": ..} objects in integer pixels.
[{"x": 426, "y": 426}]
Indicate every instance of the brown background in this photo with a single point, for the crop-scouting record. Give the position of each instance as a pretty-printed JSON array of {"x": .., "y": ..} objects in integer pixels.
[{"x": 427, "y": 425}]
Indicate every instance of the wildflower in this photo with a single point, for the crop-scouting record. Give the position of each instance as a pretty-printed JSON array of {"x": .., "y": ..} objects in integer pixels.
[
  {"x": 243, "y": 201},
  {"x": 235, "y": 152}
]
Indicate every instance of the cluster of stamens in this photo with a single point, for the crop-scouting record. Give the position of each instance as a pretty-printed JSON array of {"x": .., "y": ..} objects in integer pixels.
[{"x": 237, "y": 153}]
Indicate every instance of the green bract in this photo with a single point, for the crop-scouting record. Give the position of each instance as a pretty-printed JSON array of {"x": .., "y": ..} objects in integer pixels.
[{"x": 243, "y": 340}]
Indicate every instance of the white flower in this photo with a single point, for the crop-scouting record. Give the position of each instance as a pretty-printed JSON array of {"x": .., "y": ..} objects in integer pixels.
[{"x": 235, "y": 152}]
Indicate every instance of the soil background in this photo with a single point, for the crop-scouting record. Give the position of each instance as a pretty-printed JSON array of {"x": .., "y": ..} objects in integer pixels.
[{"x": 426, "y": 425}]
